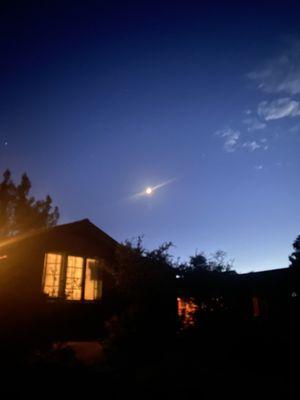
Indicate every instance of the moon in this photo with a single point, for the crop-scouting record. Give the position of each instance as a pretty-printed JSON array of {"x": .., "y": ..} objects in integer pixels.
[{"x": 150, "y": 190}]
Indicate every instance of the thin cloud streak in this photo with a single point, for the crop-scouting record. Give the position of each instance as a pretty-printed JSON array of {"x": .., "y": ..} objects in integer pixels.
[
  {"x": 280, "y": 108},
  {"x": 143, "y": 193}
]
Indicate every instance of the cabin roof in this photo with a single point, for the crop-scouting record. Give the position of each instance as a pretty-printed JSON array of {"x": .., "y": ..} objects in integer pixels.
[
  {"x": 266, "y": 273},
  {"x": 268, "y": 277},
  {"x": 76, "y": 227}
]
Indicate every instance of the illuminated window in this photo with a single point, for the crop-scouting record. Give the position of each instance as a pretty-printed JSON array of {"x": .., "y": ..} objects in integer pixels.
[
  {"x": 52, "y": 274},
  {"x": 74, "y": 275},
  {"x": 67, "y": 276},
  {"x": 93, "y": 282}
]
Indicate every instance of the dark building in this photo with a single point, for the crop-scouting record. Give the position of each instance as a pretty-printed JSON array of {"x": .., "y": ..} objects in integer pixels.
[
  {"x": 273, "y": 293},
  {"x": 59, "y": 280},
  {"x": 266, "y": 295},
  {"x": 57, "y": 276}
]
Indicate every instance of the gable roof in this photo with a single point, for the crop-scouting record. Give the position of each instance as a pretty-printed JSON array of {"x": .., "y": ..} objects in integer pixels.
[{"x": 75, "y": 227}]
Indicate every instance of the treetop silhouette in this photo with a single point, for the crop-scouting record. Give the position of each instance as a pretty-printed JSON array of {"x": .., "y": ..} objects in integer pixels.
[
  {"x": 19, "y": 211},
  {"x": 295, "y": 256}
]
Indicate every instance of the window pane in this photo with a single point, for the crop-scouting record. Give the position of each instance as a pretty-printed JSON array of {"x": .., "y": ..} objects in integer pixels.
[
  {"x": 52, "y": 271},
  {"x": 93, "y": 281},
  {"x": 74, "y": 278}
]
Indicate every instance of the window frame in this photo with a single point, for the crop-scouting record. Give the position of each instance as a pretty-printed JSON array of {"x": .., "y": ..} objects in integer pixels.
[
  {"x": 63, "y": 277},
  {"x": 97, "y": 259},
  {"x": 45, "y": 274}
]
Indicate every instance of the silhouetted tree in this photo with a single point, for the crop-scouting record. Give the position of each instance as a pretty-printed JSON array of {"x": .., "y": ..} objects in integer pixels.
[
  {"x": 206, "y": 282},
  {"x": 20, "y": 212},
  {"x": 295, "y": 256},
  {"x": 139, "y": 273},
  {"x": 144, "y": 298},
  {"x": 217, "y": 262},
  {"x": 199, "y": 262}
]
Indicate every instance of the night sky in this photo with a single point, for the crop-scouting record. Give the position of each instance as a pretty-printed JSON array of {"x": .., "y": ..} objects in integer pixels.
[{"x": 100, "y": 100}]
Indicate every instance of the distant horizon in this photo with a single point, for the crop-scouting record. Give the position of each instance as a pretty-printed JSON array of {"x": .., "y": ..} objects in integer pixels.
[
  {"x": 184, "y": 258},
  {"x": 176, "y": 255}
]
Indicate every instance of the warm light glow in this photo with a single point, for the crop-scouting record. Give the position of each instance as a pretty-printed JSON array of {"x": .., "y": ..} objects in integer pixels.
[
  {"x": 52, "y": 270},
  {"x": 73, "y": 287},
  {"x": 256, "y": 308},
  {"x": 149, "y": 190},
  {"x": 93, "y": 282},
  {"x": 187, "y": 309},
  {"x": 64, "y": 276}
]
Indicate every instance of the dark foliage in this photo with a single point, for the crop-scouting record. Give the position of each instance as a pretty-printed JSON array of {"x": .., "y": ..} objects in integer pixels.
[
  {"x": 207, "y": 284},
  {"x": 295, "y": 256},
  {"x": 20, "y": 212},
  {"x": 217, "y": 262},
  {"x": 144, "y": 300}
]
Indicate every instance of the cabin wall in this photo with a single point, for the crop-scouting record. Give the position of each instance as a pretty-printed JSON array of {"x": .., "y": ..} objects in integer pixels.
[
  {"x": 22, "y": 301},
  {"x": 25, "y": 260}
]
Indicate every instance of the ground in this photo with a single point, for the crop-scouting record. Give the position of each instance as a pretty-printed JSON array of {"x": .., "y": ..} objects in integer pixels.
[{"x": 251, "y": 359}]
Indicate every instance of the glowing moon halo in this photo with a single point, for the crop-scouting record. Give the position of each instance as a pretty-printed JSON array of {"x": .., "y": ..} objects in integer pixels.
[{"x": 149, "y": 190}]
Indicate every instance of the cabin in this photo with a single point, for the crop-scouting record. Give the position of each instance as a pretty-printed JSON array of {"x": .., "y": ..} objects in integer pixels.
[{"x": 56, "y": 275}]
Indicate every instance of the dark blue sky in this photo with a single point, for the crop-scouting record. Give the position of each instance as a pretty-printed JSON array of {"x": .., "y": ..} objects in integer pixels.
[{"x": 99, "y": 101}]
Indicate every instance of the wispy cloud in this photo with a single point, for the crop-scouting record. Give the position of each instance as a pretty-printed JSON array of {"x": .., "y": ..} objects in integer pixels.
[
  {"x": 280, "y": 74},
  {"x": 280, "y": 108},
  {"x": 252, "y": 146},
  {"x": 231, "y": 138},
  {"x": 254, "y": 124},
  {"x": 233, "y": 141},
  {"x": 258, "y": 167}
]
